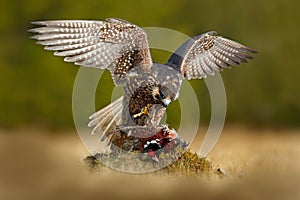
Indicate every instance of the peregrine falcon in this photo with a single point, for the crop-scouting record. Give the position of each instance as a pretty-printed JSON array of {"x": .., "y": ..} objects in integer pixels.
[{"x": 123, "y": 49}]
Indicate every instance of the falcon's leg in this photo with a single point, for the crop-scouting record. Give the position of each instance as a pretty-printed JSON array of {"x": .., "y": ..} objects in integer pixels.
[{"x": 145, "y": 111}]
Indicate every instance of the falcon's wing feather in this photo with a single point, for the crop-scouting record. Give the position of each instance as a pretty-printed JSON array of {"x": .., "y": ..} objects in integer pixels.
[
  {"x": 114, "y": 44},
  {"x": 203, "y": 54},
  {"x": 107, "y": 118}
]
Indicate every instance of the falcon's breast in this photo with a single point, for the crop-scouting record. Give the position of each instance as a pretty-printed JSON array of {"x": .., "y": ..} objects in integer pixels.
[{"x": 141, "y": 102}]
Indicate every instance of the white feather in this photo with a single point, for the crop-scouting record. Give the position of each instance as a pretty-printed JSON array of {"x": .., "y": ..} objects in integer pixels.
[{"x": 106, "y": 118}]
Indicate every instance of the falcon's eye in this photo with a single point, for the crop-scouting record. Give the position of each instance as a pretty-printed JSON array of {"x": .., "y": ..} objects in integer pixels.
[{"x": 157, "y": 96}]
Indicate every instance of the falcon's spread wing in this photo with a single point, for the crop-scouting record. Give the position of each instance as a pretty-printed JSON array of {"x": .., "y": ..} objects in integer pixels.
[
  {"x": 114, "y": 44},
  {"x": 203, "y": 54}
]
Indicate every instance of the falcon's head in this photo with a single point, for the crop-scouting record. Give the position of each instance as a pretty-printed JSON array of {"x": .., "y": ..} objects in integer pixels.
[{"x": 163, "y": 95}]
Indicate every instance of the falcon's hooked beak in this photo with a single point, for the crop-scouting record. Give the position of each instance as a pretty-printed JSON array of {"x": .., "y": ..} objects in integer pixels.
[{"x": 166, "y": 102}]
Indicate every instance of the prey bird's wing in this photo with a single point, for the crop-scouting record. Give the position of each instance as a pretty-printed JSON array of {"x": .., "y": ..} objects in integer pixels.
[
  {"x": 113, "y": 44},
  {"x": 204, "y": 54}
]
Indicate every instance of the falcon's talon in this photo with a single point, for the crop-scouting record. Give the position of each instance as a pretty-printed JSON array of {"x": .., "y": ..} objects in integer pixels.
[{"x": 145, "y": 111}]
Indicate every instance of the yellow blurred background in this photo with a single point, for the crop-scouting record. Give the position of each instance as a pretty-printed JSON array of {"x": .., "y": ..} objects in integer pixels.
[{"x": 41, "y": 154}]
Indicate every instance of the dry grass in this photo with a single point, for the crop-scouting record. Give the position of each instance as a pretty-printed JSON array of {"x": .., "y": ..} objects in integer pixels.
[{"x": 260, "y": 164}]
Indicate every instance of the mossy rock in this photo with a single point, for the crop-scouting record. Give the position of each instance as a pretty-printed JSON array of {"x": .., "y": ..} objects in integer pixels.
[{"x": 178, "y": 162}]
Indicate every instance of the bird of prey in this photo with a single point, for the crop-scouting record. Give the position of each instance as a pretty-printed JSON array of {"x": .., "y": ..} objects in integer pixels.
[{"x": 123, "y": 49}]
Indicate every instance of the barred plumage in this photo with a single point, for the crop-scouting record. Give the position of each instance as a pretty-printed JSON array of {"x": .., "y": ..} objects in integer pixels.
[{"x": 100, "y": 44}]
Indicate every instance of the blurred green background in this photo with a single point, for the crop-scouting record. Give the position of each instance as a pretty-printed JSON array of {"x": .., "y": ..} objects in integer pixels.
[{"x": 36, "y": 87}]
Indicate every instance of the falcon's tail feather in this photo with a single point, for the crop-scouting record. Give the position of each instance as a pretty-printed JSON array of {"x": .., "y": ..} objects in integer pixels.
[{"x": 107, "y": 118}]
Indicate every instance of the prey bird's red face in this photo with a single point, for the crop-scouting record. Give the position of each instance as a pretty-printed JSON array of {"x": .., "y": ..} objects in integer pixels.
[{"x": 164, "y": 140}]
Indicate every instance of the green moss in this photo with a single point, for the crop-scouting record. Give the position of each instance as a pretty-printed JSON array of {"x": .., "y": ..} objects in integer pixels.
[{"x": 190, "y": 164}]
